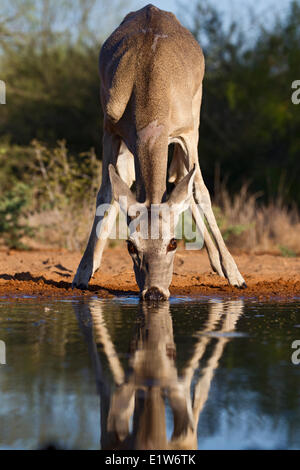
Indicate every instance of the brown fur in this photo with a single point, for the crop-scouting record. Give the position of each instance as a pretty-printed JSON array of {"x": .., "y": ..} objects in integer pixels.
[{"x": 138, "y": 88}]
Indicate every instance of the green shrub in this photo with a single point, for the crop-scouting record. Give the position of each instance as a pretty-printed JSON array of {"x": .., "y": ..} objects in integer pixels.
[
  {"x": 287, "y": 252},
  {"x": 12, "y": 209}
]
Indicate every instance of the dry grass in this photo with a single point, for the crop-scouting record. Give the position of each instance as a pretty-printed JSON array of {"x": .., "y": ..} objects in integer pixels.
[
  {"x": 64, "y": 197},
  {"x": 257, "y": 228},
  {"x": 246, "y": 225},
  {"x": 64, "y": 228}
]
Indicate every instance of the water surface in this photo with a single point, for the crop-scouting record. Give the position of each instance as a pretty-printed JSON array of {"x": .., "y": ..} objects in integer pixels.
[{"x": 206, "y": 374}]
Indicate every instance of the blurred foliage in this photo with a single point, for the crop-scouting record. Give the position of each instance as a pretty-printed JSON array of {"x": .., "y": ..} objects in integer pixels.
[
  {"x": 12, "y": 206},
  {"x": 61, "y": 179},
  {"x": 249, "y": 125},
  {"x": 287, "y": 252},
  {"x": 48, "y": 189},
  {"x": 56, "y": 176},
  {"x": 52, "y": 95},
  {"x": 48, "y": 59}
]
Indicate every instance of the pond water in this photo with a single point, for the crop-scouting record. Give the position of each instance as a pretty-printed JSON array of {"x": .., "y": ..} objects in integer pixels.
[{"x": 189, "y": 373}]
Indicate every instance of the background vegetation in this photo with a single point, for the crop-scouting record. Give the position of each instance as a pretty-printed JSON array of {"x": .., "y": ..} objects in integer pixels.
[{"x": 50, "y": 128}]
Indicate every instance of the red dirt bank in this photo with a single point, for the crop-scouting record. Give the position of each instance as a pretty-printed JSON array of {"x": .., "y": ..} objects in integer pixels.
[{"x": 47, "y": 273}]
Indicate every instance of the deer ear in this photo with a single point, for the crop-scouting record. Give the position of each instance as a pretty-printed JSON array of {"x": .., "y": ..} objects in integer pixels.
[
  {"x": 121, "y": 191},
  {"x": 183, "y": 191}
]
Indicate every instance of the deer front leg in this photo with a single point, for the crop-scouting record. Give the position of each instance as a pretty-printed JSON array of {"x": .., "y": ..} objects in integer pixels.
[
  {"x": 101, "y": 230},
  {"x": 177, "y": 171},
  {"x": 102, "y": 226},
  {"x": 228, "y": 264},
  {"x": 212, "y": 251}
]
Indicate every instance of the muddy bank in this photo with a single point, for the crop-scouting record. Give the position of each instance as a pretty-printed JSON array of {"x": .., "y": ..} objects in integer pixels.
[{"x": 49, "y": 273}]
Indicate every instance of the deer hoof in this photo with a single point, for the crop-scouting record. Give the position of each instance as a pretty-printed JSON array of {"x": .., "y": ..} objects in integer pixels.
[
  {"x": 242, "y": 286},
  {"x": 79, "y": 286}
]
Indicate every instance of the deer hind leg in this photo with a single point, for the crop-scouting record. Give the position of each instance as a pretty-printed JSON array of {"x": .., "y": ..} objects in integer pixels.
[
  {"x": 113, "y": 149},
  {"x": 211, "y": 249},
  {"x": 177, "y": 171},
  {"x": 228, "y": 264}
]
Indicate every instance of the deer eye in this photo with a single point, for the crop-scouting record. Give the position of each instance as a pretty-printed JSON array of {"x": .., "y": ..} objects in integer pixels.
[
  {"x": 131, "y": 247},
  {"x": 172, "y": 245}
]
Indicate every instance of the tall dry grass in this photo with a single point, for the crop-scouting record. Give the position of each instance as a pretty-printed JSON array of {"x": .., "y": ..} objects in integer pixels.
[
  {"x": 254, "y": 227},
  {"x": 245, "y": 224}
]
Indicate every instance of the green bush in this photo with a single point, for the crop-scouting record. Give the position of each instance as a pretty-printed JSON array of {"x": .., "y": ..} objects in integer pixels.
[
  {"x": 52, "y": 185},
  {"x": 61, "y": 179},
  {"x": 287, "y": 252},
  {"x": 13, "y": 206}
]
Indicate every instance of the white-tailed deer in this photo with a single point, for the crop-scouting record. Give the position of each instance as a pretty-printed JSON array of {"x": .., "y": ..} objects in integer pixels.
[{"x": 151, "y": 71}]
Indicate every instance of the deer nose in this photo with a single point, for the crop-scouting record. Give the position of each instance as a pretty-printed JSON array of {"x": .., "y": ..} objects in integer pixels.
[{"x": 154, "y": 294}]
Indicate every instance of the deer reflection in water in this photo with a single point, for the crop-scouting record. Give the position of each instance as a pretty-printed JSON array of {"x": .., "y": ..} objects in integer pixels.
[{"x": 141, "y": 392}]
